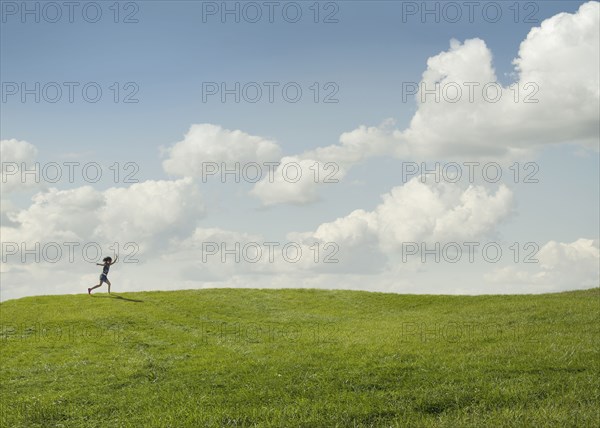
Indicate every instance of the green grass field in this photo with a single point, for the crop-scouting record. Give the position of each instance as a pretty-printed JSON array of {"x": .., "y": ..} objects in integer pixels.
[{"x": 300, "y": 358}]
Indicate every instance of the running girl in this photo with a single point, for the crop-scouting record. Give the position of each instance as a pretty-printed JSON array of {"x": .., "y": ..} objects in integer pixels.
[{"x": 108, "y": 262}]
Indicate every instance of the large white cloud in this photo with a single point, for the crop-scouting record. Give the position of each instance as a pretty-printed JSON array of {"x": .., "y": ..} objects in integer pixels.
[
  {"x": 205, "y": 143},
  {"x": 148, "y": 210},
  {"x": 557, "y": 64},
  {"x": 558, "y": 60},
  {"x": 416, "y": 212},
  {"x": 145, "y": 213},
  {"x": 562, "y": 55}
]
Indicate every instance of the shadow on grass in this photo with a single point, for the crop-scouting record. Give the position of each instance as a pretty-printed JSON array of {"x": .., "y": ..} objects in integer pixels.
[{"x": 116, "y": 296}]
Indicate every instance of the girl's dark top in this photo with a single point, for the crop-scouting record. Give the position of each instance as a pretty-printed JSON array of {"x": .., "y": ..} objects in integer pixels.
[{"x": 105, "y": 269}]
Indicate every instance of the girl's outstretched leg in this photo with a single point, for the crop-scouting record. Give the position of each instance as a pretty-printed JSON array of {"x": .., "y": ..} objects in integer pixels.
[
  {"x": 94, "y": 287},
  {"x": 108, "y": 282}
]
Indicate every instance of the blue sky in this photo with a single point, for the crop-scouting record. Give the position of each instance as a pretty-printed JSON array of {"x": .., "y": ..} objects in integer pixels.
[{"x": 368, "y": 54}]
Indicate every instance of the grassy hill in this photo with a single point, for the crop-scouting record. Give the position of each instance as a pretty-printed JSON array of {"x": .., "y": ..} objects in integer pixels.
[{"x": 300, "y": 358}]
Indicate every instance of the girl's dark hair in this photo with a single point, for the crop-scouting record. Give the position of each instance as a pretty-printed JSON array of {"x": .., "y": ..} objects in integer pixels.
[{"x": 107, "y": 259}]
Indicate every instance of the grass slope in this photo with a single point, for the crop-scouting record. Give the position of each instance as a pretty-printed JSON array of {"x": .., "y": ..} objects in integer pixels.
[{"x": 309, "y": 358}]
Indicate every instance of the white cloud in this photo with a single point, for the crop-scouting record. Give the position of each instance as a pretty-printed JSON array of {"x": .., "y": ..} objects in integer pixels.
[
  {"x": 211, "y": 143},
  {"x": 17, "y": 151},
  {"x": 147, "y": 210},
  {"x": 57, "y": 215},
  {"x": 415, "y": 212},
  {"x": 144, "y": 213},
  {"x": 562, "y": 56},
  {"x": 295, "y": 181},
  {"x": 324, "y": 165},
  {"x": 357, "y": 145},
  {"x": 15, "y": 154},
  {"x": 559, "y": 266}
]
